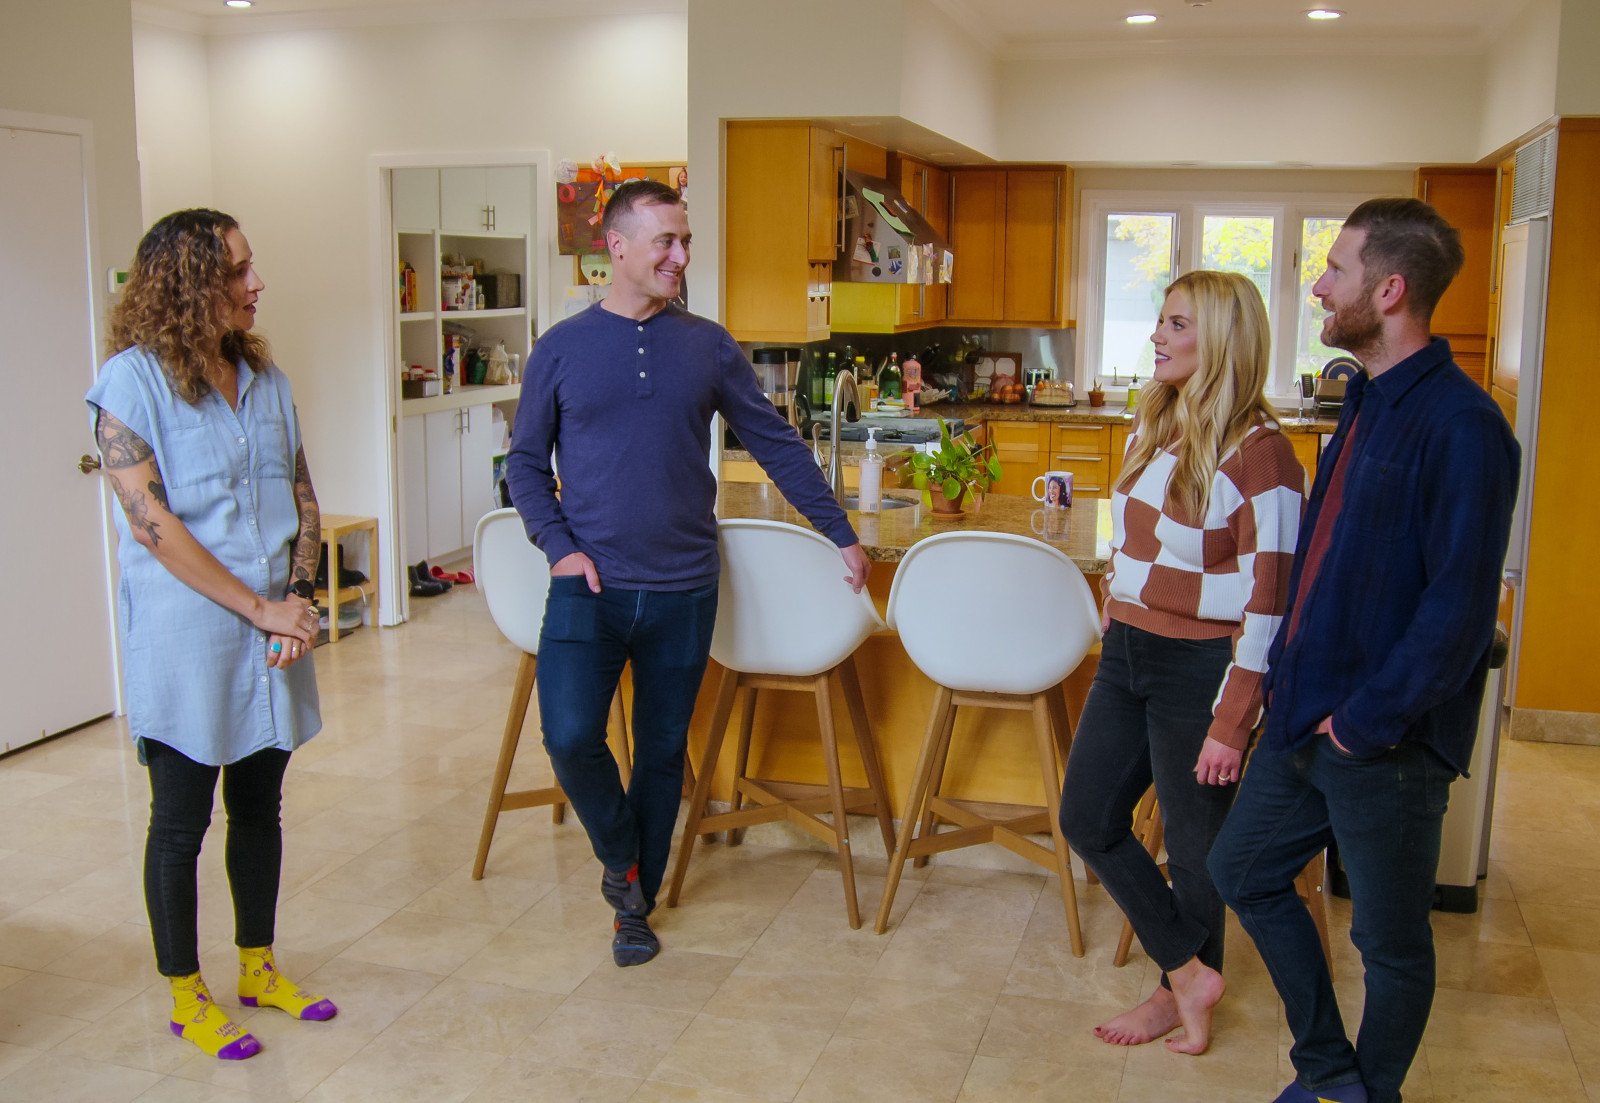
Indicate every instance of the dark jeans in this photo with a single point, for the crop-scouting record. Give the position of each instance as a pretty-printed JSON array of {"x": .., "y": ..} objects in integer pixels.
[
  {"x": 1384, "y": 812},
  {"x": 1145, "y": 720},
  {"x": 180, "y": 811},
  {"x": 586, "y": 640}
]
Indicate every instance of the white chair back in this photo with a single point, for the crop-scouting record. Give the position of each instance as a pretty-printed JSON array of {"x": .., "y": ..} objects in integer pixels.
[
  {"x": 513, "y": 576},
  {"x": 783, "y": 606},
  {"x": 987, "y": 612}
]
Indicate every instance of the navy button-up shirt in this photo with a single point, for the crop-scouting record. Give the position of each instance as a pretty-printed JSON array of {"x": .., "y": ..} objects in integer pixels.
[{"x": 1394, "y": 639}]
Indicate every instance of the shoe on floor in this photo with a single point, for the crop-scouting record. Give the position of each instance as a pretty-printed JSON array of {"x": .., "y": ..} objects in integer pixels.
[{"x": 423, "y": 586}]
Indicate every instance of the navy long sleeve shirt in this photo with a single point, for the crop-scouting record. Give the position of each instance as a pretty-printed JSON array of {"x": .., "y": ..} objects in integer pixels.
[
  {"x": 1394, "y": 638},
  {"x": 625, "y": 407}
]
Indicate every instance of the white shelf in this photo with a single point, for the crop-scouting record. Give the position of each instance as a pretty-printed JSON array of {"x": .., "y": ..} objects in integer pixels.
[
  {"x": 460, "y": 398},
  {"x": 418, "y": 316},
  {"x": 507, "y": 312}
]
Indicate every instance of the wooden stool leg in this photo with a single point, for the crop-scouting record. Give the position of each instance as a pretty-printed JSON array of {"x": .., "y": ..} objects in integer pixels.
[
  {"x": 1147, "y": 829},
  {"x": 741, "y": 760},
  {"x": 621, "y": 750},
  {"x": 520, "y": 695},
  {"x": 1048, "y": 750},
  {"x": 850, "y": 682},
  {"x": 841, "y": 818},
  {"x": 929, "y": 819},
  {"x": 702, "y": 788},
  {"x": 920, "y": 779},
  {"x": 1311, "y": 885}
]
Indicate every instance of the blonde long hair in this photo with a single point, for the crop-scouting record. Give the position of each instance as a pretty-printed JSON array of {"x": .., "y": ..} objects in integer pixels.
[
  {"x": 179, "y": 278},
  {"x": 1206, "y": 417}
]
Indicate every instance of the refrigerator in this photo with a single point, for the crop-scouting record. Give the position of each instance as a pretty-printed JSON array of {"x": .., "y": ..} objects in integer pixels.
[{"x": 1464, "y": 846}]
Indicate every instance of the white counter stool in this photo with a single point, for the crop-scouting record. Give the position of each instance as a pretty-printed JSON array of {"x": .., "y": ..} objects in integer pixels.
[
  {"x": 514, "y": 578},
  {"x": 1035, "y": 623},
  {"x": 786, "y": 621}
]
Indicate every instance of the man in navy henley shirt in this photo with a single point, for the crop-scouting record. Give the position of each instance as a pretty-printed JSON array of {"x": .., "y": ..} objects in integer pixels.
[
  {"x": 1377, "y": 672},
  {"x": 621, "y": 396}
]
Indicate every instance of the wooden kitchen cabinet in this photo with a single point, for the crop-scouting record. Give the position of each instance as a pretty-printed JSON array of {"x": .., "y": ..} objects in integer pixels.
[
  {"x": 1010, "y": 230},
  {"x": 1465, "y": 196},
  {"x": 1022, "y": 448},
  {"x": 927, "y": 188},
  {"x": 1027, "y": 449},
  {"x": 781, "y": 231}
]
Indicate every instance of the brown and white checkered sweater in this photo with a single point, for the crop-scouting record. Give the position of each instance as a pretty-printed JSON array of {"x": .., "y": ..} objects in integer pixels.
[{"x": 1229, "y": 574}]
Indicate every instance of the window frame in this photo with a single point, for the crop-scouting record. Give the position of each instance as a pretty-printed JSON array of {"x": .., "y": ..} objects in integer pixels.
[{"x": 1189, "y": 210}]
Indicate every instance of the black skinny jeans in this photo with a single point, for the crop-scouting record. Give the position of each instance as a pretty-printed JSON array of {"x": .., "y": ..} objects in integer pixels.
[
  {"x": 1146, "y": 719},
  {"x": 180, "y": 811}
]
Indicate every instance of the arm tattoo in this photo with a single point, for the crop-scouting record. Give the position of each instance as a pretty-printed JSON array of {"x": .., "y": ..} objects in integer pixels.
[
  {"x": 138, "y": 510},
  {"x": 308, "y": 545},
  {"x": 158, "y": 491},
  {"x": 120, "y": 445}
]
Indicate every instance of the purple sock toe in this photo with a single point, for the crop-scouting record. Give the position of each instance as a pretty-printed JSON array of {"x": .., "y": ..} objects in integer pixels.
[
  {"x": 248, "y": 1001},
  {"x": 239, "y": 1050},
  {"x": 177, "y": 1028},
  {"x": 320, "y": 1012}
]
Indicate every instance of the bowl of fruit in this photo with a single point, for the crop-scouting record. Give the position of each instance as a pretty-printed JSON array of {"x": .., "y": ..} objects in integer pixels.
[{"x": 1006, "y": 391}]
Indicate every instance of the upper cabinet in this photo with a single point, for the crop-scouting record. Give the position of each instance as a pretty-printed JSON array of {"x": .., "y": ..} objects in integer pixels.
[
  {"x": 781, "y": 230},
  {"x": 1010, "y": 230},
  {"x": 1465, "y": 197},
  {"x": 485, "y": 200},
  {"x": 927, "y": 188}
]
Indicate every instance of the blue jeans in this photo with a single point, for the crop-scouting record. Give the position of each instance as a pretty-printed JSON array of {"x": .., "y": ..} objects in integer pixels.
[
  {"x": 586, "y": 640},
  {"x": 1384, "y": 812},
  {"x": 1145, "y": 720}
]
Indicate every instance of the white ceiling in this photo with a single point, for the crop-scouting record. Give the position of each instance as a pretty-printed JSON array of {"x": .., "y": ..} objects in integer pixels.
[{"x": 1013, "y": 28}]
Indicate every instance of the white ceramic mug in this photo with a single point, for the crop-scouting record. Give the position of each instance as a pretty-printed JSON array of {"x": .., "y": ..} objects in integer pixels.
[{"x": 1054, "y": 489}]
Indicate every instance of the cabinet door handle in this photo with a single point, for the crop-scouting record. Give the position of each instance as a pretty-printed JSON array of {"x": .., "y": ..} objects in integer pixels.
[
  {"x": 1055, "y": 266},
  {"x": 494, "y": 217},
  {"x": 1083, "y": 459}
]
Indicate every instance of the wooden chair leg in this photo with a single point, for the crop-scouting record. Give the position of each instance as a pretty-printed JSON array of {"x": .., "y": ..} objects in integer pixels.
[
  {"x": 841, "y": 818},
  {"x": 741, "y": 759},
  {"x": 520, "y": 695},
  {"x": 621, "y": 749},
  {"x": 1061, "y": 723},
  {"x": 1048, "y": 749},
  {"x": 938, "y": 730},
  {"x": 702, "y": 789},
  {"x": 850, "y": 682},
  {"x": 1312, "y": 888},
  {"x": 929, "y": 819},
  {"x": 1147, "y": 829}
]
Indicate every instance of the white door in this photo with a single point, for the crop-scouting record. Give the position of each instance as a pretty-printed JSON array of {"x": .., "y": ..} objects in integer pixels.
[
  {"x": 414, "y": 488},
  {"x": 510, "y": 197},
  {"x": 56, "y": 664},
  {"x": 464, "y": 200},
  {"x": 441, "y": 433}
]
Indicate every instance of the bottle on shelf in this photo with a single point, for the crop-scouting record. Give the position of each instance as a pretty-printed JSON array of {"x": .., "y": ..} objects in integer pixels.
[
  {"x": 866, "y": 389},
  {"x": 1133, "y": 392},
  {"x": 833, "y": 373},
  {"x": 910, "y": 382},
  {"x": 870, "y": 495},
  {"x": 890, "y": 382}
]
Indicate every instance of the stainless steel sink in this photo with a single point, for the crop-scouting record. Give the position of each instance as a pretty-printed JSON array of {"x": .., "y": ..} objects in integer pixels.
[{"x": 853, "y": 501}]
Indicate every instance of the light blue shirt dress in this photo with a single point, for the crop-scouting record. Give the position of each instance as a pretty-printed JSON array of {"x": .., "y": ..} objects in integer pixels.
[{"x": 196, "y": 673}]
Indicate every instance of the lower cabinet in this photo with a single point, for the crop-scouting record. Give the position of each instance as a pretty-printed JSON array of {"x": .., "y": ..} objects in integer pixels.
[
  {"x": 447, "y": 462},
  {"x": 1027, "y": 449}
]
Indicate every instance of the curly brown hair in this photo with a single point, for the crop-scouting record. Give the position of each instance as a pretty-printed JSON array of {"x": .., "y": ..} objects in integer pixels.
[{"x": 169, "y": 308}]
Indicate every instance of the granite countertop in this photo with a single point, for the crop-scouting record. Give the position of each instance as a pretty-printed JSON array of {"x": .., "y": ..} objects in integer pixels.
[
  {"x": 1084, "y": 414},
  {"x": 1082, "y": 532}
]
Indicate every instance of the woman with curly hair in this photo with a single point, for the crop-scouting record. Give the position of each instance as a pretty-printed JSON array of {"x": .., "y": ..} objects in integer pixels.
[
  {"x": 219, "y": 540},
  {"x": 1204, "y": 520}
]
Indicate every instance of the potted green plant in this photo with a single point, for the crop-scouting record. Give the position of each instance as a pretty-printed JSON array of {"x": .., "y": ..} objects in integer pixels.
[{"x": 946, "y": 474}]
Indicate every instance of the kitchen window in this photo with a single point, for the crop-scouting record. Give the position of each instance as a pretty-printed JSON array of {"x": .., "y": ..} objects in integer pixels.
[{"x": 1140, "y": 242}]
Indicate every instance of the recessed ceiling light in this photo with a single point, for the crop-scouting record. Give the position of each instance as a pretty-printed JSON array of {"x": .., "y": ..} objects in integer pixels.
[
  {"x": 237, "y": 3},
  {"x": 1324, "y": 13},
  {"x": 1142, "y": 17}
]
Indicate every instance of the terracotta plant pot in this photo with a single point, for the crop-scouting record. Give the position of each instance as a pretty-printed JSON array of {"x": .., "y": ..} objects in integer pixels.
[{"x": 947, "y": 507}]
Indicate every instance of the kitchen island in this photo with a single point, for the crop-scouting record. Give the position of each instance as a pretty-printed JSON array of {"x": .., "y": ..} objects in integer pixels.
[{"x": 993, "y": 756}]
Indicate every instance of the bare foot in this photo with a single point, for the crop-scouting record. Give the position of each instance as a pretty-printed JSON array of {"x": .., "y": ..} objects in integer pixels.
[
  {"x": 1154, "y": 1017},
  {"x": 1196, "y": 988}
]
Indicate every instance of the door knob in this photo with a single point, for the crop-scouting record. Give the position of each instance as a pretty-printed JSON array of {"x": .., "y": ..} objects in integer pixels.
[{"x": 88, "y": 464}]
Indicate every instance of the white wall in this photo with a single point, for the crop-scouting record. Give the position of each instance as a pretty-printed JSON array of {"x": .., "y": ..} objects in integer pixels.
[
  {"x": 297, "y": 116},
  {"x": 949, "y": 80},
  {"x": 1578, "y": 81},
  {"x": 1241, "y": 110},
  {"x": 1520, "y": 75},
  {"x": 170, "y": 86},
  {"x": 74, "y": 58}
]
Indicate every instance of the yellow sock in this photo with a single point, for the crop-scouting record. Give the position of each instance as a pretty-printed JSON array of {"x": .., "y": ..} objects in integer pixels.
[
  {"x": 197, "y": 1018},
  {"x": 261, "y": 985}
]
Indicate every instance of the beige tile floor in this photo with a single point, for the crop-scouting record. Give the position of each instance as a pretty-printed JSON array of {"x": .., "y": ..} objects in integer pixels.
[{"x": 504, "y": 990}]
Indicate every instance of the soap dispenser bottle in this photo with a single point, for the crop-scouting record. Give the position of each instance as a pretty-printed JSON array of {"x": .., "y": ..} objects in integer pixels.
[{"x": 871, "y": 492}]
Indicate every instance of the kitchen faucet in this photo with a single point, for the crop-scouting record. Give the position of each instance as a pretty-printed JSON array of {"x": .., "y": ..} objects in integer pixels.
[{"x": 846, "y": 380}]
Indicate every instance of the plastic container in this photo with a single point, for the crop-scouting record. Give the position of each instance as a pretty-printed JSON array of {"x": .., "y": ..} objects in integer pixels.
[{"x": 871, "y": 491}]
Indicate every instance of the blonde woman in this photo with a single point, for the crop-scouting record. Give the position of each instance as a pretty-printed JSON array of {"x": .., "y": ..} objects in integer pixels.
[{"x": 1205, "y": 518}]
